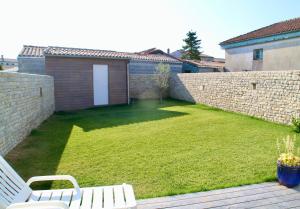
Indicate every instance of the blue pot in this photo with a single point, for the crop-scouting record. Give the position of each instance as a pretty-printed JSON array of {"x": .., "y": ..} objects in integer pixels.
[{"x": 287, "y": 175}]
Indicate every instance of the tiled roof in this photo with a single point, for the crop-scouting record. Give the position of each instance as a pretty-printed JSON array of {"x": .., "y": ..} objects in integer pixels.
[
  {"x": 154, "y": 57},
  {"x": 274, "y": 29},
  {"x": 210, "y": 64},
  {"x": 78, "y": 52},
  {"x": 32, "y": 51}
]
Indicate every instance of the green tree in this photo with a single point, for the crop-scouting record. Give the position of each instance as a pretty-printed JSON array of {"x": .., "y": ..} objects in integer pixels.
[
  {"x": 192, "y": 47},
  {"x": 1, "y": 68},
  {"x": 162, "y": 72}
]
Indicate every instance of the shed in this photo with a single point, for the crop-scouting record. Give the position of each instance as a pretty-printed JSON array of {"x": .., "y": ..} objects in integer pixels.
[{"x": 85, "y": 78}]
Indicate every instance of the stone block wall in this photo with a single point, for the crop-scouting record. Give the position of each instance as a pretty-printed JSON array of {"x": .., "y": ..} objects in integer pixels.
[
  {"x": 25, "y": 102},
  {"x": 142, "y": 86},
  {"x": 271, "y": 95}
]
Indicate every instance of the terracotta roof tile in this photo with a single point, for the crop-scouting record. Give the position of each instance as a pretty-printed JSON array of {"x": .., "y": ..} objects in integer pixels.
[
  {"x": 32, "y": 51},
  {"x": 287, "y": 26},
  {"x": 210, "y": 64},
  {"x": 35, "y": 51}
]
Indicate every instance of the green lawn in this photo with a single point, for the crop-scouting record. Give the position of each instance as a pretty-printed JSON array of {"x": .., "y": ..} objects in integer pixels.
[{"x": 161, "y": 149}]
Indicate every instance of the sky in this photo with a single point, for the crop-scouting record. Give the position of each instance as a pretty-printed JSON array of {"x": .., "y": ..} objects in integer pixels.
[{"x": 134, "y": 25}]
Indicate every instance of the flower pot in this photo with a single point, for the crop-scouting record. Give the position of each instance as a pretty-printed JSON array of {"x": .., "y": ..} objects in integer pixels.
[{"x": 287, "y": 175}]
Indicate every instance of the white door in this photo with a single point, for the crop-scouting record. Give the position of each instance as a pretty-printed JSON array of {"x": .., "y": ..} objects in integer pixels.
[{"x": 100, "y": 79}]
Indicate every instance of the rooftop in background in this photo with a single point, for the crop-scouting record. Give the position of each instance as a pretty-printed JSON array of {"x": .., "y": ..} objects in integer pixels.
[
  {"x": 204, "y": 57},
  {"x": 8, "y": 63},
  {"x": 284, "y": 27},
  {"x": 148, "y": 55},
  {"x": 208, "y": 64}
]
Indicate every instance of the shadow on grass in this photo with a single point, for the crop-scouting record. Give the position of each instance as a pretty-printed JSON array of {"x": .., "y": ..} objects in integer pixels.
[{"x": 41, "y": 152}]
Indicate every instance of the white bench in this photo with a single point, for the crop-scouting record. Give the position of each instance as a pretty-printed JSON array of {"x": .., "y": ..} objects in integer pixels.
[{"x": 16, "y": 194}]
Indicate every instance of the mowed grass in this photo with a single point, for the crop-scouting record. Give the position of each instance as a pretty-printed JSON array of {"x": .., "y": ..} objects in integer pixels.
[{"x": 161, "y": 150}]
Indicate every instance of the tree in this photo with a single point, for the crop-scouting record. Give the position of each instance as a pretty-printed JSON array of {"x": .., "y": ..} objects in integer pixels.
[
  {"x": 1, "y": 68},
  {"x": 191, "y": 47},
  {"x": 162, "y": 72}
]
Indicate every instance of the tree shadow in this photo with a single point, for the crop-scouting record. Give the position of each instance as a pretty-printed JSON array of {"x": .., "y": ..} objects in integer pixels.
[{"x": 41, "y": 152}]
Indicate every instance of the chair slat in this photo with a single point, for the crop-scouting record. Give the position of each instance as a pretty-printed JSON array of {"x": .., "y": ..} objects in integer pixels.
[
  {"x": 129, "y": 195},
  {"x": 56, "y": 195},
  {"x": 6, "y": 193},
  {"x": 9, "y": 171},
  {"x": 9, "y": 184},
  {"x": 67, "y": 196},
  {"x": 4, "y": 200},
  {"x": 76, "y": 200},
  {"x": 97, "y": 198},
  {"x": 35, "y": 196},
  {"x": 119, "y": 196},
  {"x": 87, "y": 198},
  {"x": 12, "y": 185},
  {"x": 46, "y": 195},
  {"x": 108, "y": 197}
]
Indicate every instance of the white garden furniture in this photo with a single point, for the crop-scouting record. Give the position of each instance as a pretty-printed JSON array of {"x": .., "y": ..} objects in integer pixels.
[{"x": 16, "y": 194}]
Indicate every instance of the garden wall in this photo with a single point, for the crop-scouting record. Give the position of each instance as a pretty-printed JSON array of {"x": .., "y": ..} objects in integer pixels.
[
  {"x": 274, "y": 96},
  {"x": 142, "y": 86},
  {"x": 25, "y": 102}
]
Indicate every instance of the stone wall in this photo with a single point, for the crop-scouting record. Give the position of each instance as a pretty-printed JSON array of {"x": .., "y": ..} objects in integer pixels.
[
  {"x": 142, "y": 86},
  {"x": 25, "y": 102},
  {"x": 274, "y": 96}
]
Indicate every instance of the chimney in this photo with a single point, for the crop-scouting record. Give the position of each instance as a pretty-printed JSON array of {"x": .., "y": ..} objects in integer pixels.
[
  {"x": 2, "y": 58},
  {"x": 168, "y": 51}
]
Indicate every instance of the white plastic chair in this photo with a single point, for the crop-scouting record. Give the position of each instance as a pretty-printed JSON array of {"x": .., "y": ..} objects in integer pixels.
[{"x": 16, "y": 194}]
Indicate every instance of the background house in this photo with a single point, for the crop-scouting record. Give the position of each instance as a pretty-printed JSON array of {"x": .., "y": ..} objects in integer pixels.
[
  {"x": 88, "y": 77},
  {"x": 271, "y": 48},
  {"x": 202, "y": 66},
  {"x": 8, "y": 63},
  {"x": 206, "y": 63}
]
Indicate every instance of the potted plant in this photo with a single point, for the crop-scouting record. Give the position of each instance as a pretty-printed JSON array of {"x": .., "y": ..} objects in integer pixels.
[{"x": 288, "y": 163}]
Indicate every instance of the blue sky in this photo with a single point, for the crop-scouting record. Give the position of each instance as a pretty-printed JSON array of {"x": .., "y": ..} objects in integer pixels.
[{"x": 134, "y": 25}]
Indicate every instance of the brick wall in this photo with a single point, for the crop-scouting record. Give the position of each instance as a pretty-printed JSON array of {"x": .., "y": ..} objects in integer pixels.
[
  {"x": 274, "y": 96},
  {"x": 25, "y": 101}
]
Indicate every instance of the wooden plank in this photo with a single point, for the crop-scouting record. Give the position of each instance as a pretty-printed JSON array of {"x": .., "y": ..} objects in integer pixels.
[
  {"x": 46, "y": 195},
  {"x": 208, "y": 193},
  {"x": 76, "y": 200},
  {"x": 282, "y": 201},
  {"x": 87, "y": 197},
  {"x": 108, "y": 197},
  {"x": 56, "y": 194},
  {"x": 214, "y": 197},
  {"x": 219, "y": 203},
  {"x": 97, "y": 198},
  {"x": 119, "y": 196},
  {"x": 67, "y": 196},
  {"x": 129, "y": 195}
]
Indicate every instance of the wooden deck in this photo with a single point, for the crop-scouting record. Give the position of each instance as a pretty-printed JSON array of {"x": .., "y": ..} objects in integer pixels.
[{"x": 265, "y": 195}]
